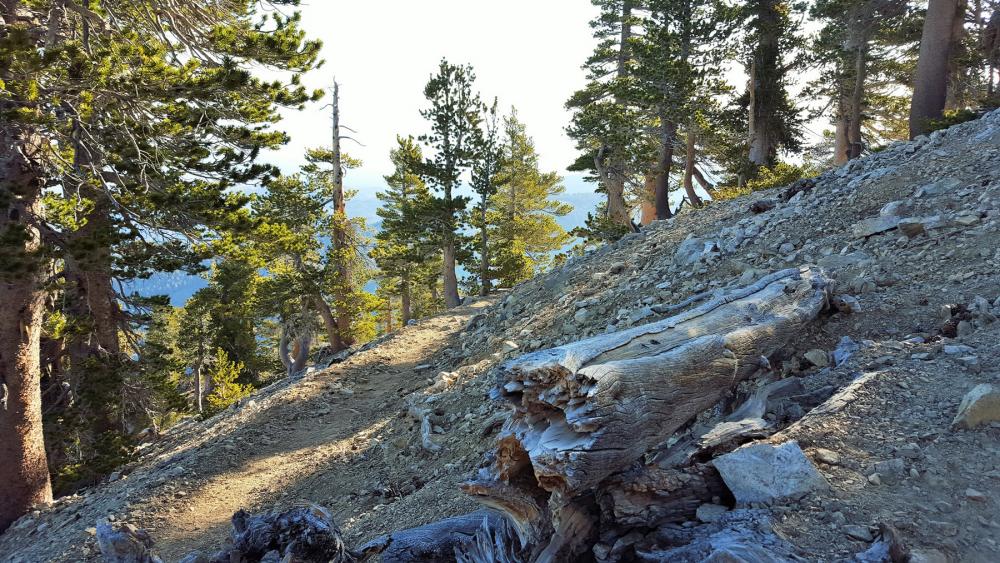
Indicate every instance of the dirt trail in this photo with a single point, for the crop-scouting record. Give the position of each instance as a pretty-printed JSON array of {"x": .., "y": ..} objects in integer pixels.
[{"x": 319, "y": 426}]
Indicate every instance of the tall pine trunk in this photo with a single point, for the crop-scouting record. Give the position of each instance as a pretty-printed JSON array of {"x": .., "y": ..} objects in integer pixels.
[
  {"x": 668, "y": 134},
  {"x": 24, "y": 473},
  {"x": 930, "y": 84},
  {"x": 449, "y": 278},
  {"x": 484, "y": 253},
  {"x": 689, "y": 167},
  {"x": 342, "y": 244},
  {"x": 648, "y": 208},
  {"x": 92, "y": 307},
  {"x": 764, "y": 86},
  {"x": 848, "y": 143},
  {"x": 613, "y": 177}
]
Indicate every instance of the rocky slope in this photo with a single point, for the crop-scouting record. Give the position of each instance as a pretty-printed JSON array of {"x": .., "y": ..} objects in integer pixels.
[{"x": 911, "y": 236}]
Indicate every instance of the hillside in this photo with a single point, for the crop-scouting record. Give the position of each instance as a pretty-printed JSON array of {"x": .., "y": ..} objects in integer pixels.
[{"x": 905, "y": 233}]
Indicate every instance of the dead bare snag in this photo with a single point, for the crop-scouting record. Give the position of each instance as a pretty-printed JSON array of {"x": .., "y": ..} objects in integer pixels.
[{"x": 587, "y": 411}]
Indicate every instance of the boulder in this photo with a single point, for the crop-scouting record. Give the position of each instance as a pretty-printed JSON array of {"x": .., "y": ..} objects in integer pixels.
[
  {"x": 979, "y": 406},
  {"x": 765, "y": 473}
]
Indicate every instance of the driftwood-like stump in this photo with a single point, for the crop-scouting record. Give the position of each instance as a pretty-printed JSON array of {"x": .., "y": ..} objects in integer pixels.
[{"x": 590, "y": 409}]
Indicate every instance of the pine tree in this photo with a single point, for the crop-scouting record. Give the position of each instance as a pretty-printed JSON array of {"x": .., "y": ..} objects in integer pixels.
[
  {"x": 679, "y": 64},
  {"x": 858, "y": 49},
  {"x": 301, "y": 217},
  {"x": 774, "y": 121},
  {"x": 524, "y": 234},
  {"x": 404, "y": 247},
  {"x": 606, "y": 123},
  {"x": 485, "y": 177},
  {"x": 454, "y": 115},
  {"x": 147, "y": 131}
]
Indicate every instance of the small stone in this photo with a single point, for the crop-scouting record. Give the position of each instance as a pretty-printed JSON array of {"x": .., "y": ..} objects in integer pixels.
[
  {"x": 912, "y": 227},
  {"x": 909, "y": 451},
  {"x": 509, "y": 346},
  {"x": 846, "y": 304},
  {"x": 817, "y": 357},
  {"x": 967, "y": 219},
  {"x": 710, "y": 512},
  {"x": 92, "y": 531},
  {"x": 860, "y": 533},
  {"x": 973, "y": 494},
  {"x": 874, "y": 479},
  {"x": 828, "y": 457},
  {"x": 944, "y": 528},
  {"x": 921, "y": 555},
  {"x": 786, "y": 248},
  {"x": 980, "y": 406},
  {"x": 965, "y": 328},
  {"x": 582, "y": 316}
]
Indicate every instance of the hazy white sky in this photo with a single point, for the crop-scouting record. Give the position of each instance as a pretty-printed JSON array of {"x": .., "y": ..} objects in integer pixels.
[{"x": 525, "y": 52}]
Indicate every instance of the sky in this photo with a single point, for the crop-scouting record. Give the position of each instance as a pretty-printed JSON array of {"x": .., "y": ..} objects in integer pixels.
[{"x": 527, "y": 53}]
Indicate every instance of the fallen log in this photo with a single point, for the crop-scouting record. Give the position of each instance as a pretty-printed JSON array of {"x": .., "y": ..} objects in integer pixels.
[{"x": 590, "y": 409}]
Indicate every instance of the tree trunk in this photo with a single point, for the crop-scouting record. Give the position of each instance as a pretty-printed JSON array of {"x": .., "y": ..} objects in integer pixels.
[
  {"x": 648, "y": 207},
  {"x": 689, "y": 168},
  {"x": 613, "y": 179},
  {"x": 958, "y": 94},
  {"x": 404, "y": 297},
  {"x": 484, "y": 262},
  {"x": 668, "y": 134},
  {"x": 613, "y": 175},
  {"x": 341, "y": 242},
  {"x": 848, "y": 143},
  {"x": 388, "y": 314},
  {"x": 763, "y": 88},
  {"x": 198, "y": 391},
  {"x": 930, "y": 84},
  {"x": 24, "y": 474},
  {"x": 330, "y": 323},
  {"x": 592, "y": 409},
  {"x": 449, "y": 278}
]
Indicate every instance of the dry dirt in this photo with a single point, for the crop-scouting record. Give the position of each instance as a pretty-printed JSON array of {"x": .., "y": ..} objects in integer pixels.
[{"x": 341, "y": 437}]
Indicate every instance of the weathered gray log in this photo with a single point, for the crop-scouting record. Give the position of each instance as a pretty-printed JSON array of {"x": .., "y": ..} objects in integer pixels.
[
  {"x": 436, "y": 542},
  {"x": 590, "y": 409}
]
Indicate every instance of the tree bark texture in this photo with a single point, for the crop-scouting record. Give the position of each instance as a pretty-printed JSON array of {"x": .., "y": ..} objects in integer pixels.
[
  {"x": 24, "y": 474},
  {"x": 930, "y": 84}
]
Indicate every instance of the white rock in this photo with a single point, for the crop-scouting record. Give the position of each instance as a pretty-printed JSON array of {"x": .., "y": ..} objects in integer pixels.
[
  {"x": 765, "y": 472},
  {"x": 981, "y": 405}
]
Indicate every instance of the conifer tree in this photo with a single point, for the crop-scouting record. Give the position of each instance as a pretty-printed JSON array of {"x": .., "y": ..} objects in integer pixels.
[
  {"x": 404, "y": 247},
  {"x": 857, "y": 48},
  {"x": 774, "y": 121},
  {"x": 524, "y": 233},
  {"x": 606, "y": 124},
  {"x": 485, "y": 177},
  {"x": 146, "y": 130},
  {"x": 454, "y": 115},
  {"x": 678, "y": 76}
]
